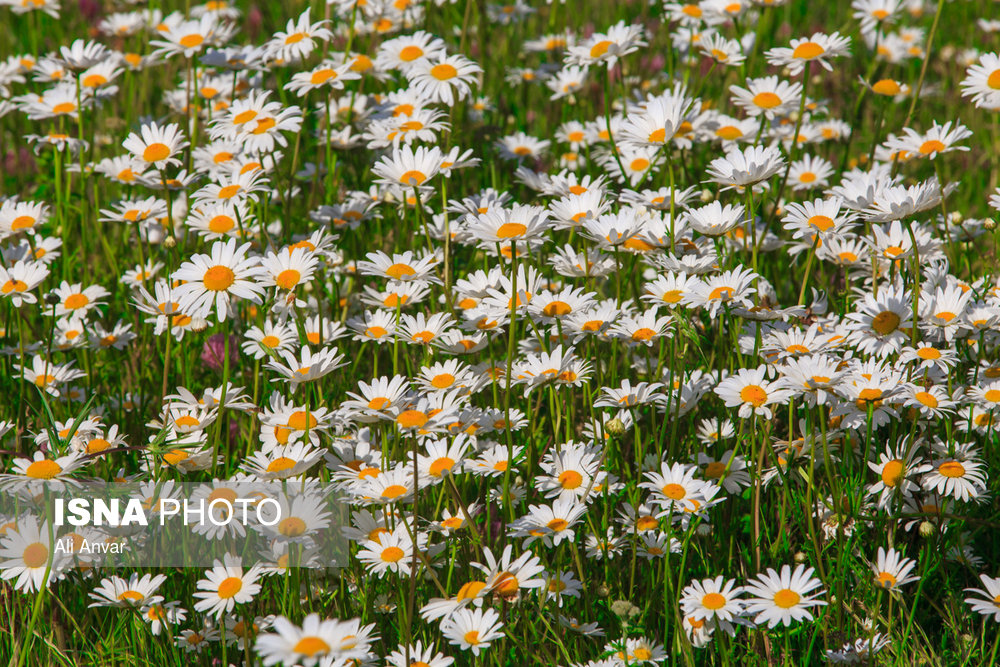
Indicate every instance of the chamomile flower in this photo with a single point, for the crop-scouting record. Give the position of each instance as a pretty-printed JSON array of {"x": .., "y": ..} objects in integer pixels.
[
  {"x": 156, "y": 145},
  {"x": 298, "y": 39},
  {"x": 472, "y": 629},
  {"x": 740, "y": 168},
  {"x": 783, "y": 598},
  {"x": 225, "y": 585},
  {"x": 28, "y": 559},
  {"x": 444, "y": 79},
  {"x": 767, "y": 96},
  {"x": 215, "y": 281},
  {"x": 989, "y": 603},
  {"x": 712, "y": 599},
  {"x": 892, "y": 569},
  {"x": 17, "y": 282},
  {"x": 819, "y": 48}
]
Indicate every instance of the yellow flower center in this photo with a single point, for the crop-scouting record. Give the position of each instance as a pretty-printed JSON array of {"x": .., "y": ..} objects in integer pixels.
[
  {"x": 674, "y": 491},
  {"x": 470, "y": 590},
  {"x": 14, "y": 286},
  {"x": 281, "y": 464},
  {"x": 786, "y": 598},
  {"x": 753, "y": 394},
  {"x": 191, "y": 41},
  {"x": 886, "y": 580},
  {"x": 951, "y": 469},
  {"x": 219, "y": 278},
  {"x": 713, "y": 601},
  {"x": 440, "y": 465},
  {"x": 932, "y": 146},
  {"x": 35, "y": 555},
  {"x": 808, "y": 51},
  {"x": 885, "y": 322},
  {"x": 44, "y": 469},
  {"x": 892, "y": 473},
  {"x": 570, "y": 479},
  {"x": 229, "y": 587},
  {"x": 444, "y": 71},
  {"x": 293, "y": 526},
  {"x": 311, "y": 646},
  {"x": 766, "y": 100},
  {"x": 392, "y": 555},
  {"x": 886, "y": 87},
  {"x": 599, "y": 49},
  {"x": 221, "y": 224},
  {"x": 288, "y": 278}
]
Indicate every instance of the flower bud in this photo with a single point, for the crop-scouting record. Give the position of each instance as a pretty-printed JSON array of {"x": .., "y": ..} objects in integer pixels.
[{"x": 615, "y": 428}]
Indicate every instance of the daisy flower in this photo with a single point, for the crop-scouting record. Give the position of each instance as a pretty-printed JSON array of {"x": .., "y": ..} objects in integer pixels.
[
  {"x": 503, "y": 225},
  {"x": 134, "y": 591},
  {"x": 298, "y": 40},
  {"x": 783, "y": 598},
  {"x": 26, "y": 555},
  {"x": 156, "y": 145},
  {"x": 288, "y": 270},
  {"x": 724, "y": 51},
  {"x": 767, "y": 97},
  {"x": 317, "y": 642},
  {"x": 443, "y": 79},
  {"x": 990, "y": 606},
  {"x": 620, "y": 40},
  {"x": 819, "y": 48},
  {"x": 659, "y": 120},
  {"x": 18, "y": 282},
  {"x": 226, "y": 585},
  {"x": 809, "y": 172},
  {"x": 748, "y": 166},
  {"x": 307, "y": 365},
  {"x": 982, "y": 82},
  {"x": 712, "y": 599},
  {"x": 407, "y": 168},
  {"x": 402, "y": 52},
  {"x": 418, "y": 657},
  {"x": 213, "y": 281},
  {"x": 714, "y": 219},
  {"x": 77, "y": 300},
  {"x": 472, "y": 629},
  {"x": 938, "y": 140},
  {"x": 892, "y": 569},
  {"x": 964, "y": 480},
  {"x": 391, "y": 552},
  {"x": 730, "y": 288}
]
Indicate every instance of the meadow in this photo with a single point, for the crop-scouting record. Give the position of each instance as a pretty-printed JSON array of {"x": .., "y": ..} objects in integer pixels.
[{"x": 622, "y": 333}]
